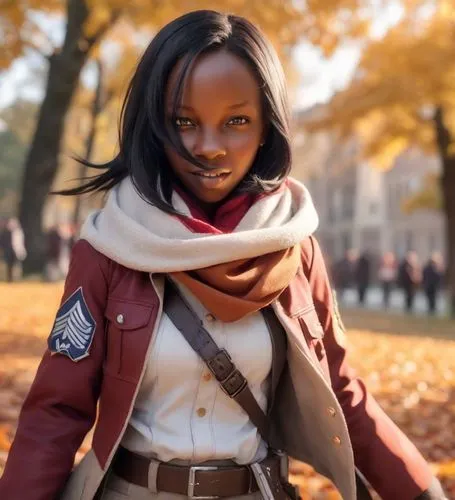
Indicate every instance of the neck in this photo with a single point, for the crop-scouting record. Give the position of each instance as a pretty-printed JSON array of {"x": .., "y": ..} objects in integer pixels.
[{"x": 209, "y": 210}]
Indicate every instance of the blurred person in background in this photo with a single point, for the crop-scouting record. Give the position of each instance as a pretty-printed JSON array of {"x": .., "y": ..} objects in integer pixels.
[
  {"x": 54, "y": 248},
  {"x": 73, "y": 234},
  {"x": 343, "y": 272},
  {"x": 362, "y": 276},
  {"x": 432, "y": 278},
  {"x": 204, "y": 234},
  {"x": 59, "y": 243},
  {"x": 387, "y": 275},
  {"x": 13, "y": 248},
  {"x": 410, "y": 278}
]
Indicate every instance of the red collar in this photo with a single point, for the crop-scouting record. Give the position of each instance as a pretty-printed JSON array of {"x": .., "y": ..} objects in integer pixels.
[{"x": 226, "y": 218}]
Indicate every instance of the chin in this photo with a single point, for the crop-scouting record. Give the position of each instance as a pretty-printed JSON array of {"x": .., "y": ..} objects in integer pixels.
[{"x": 212, "y": 197}]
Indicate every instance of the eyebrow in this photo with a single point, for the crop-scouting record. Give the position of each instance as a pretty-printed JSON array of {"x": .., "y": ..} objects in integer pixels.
[{"x": 233, "y": 106}]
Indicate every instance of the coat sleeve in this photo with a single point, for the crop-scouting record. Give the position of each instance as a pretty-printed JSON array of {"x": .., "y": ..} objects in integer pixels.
[
  {"x": 60, "y": 407},
  {"x": 384, "y": 455}
]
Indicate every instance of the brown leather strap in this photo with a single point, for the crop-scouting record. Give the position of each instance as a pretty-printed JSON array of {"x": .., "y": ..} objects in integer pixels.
[
  {"x": 196, "y": 481},
  {"x": 224, "y": 370},
  {"x": 279, "y": 348},
  {"x": 231, "y": 380}
]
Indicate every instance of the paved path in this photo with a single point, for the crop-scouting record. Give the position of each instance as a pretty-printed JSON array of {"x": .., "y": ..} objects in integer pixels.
[{"x": 374, "y": 301}]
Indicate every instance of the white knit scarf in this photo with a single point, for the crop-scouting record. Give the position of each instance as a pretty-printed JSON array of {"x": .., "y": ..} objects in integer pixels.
[{"x": 140, "y": 236}]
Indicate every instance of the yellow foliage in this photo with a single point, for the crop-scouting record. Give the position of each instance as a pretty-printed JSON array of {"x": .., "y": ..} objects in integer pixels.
[
  {"x": 427, "y": 198},
  {"x": 276, "y": 17},
  {"x": 383, "y": 159},
  {"x": 446, "y": 469},
  {"x": 11, "y": 16},
  {"x": 324, "y": 22},
  {"x": 400, "y": 81},
  {"x": 100, "y": 16},
  {"x": 15, "y": 28}
]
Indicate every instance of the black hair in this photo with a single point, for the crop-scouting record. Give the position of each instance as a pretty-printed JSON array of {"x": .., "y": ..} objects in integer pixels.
[{"x": 145, "y": 130}]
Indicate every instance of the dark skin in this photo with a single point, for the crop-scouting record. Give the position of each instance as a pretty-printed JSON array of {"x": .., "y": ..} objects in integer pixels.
[{"x": 221, "y": 124}]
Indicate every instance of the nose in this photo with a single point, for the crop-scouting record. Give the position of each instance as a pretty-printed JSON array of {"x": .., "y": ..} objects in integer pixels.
[{"x": 209, "y": 145}]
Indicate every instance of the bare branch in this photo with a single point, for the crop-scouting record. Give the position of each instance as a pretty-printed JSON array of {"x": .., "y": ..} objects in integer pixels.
[
  {"x": 104, "y": 28},
  {"x": 32, "y": 45},
  {"x": 37, "y": 31}
]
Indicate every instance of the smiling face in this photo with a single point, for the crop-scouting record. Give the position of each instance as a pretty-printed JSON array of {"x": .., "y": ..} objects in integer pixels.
[{"x": 221, "y": 124}]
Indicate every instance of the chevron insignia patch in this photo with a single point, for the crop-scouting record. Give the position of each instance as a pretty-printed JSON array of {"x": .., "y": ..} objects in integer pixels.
[{"x": 74, "y": 328}]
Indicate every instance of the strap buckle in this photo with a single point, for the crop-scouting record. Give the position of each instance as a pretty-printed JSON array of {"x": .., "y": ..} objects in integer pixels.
[
  {"x": 192, "y": 482},
  {"x": 231, "y": 380},
  {"x": 221, "y": 365},
  {"x": 234, "y": 384}
]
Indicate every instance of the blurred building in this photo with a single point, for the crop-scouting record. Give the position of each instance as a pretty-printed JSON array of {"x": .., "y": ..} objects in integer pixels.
[
  {"x": 422, "y": 230},
  {"x": 362, "y": 207}
]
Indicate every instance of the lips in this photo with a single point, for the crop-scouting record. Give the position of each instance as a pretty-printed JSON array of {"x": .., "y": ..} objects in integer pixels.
[
  {"x": 211, "y": 179},
  {"x": 211, "y": 173}
]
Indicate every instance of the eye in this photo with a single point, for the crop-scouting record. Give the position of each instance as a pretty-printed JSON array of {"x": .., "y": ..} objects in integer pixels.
[
  {"x": 183, "y": 122},
  {"x": 238, "y": 120}
]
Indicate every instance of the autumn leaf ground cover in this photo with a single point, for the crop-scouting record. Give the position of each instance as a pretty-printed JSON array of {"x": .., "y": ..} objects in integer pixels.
[{"x": 408, "y": 363}]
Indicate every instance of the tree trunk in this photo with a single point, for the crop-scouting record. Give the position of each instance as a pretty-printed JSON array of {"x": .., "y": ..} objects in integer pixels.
[
  {"x": 448, "y": 189},
  {"x": 96, "y": 108},
  {"x": 42, "y": 158}
]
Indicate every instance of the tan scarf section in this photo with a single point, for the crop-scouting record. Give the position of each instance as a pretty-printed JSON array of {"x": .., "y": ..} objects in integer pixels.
[
  {"x": 233, "y": 272},
  {"x": 235, "y": 289}
]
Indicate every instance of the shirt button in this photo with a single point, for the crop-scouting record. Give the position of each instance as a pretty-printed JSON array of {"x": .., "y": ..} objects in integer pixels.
[
  {"x": 120, "y": 319},
  {"x": 331, "y": 411},
  {"x": 336, "y": 440},
  {"x": 210, "y": 318},
  {"x": 207, "y": 376},
  {"x": 201, "y": 412}
]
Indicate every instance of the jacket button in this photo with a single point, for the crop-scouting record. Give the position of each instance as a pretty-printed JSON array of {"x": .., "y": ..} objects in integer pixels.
[
  {"x": 210, "y": 318},
  {"x": 336, "y": 440},
  {"x": 331, "y": 411},
  {"x": 201, "y": 412},
  {"x": 120, "y": 319}
]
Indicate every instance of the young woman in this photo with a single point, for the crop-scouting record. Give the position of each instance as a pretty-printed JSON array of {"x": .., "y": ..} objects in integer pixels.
[{"x": 201, "y": 200}]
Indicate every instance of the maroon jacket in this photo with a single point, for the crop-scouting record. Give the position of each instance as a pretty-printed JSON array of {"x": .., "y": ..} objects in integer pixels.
[{"x": 61, "y": 406}]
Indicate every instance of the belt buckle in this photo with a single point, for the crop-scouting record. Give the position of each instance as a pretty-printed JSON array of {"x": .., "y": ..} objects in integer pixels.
[{"x": 192, "y": 481}]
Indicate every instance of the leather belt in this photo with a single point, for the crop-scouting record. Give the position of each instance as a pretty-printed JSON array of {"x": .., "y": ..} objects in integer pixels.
[{"x": 197, "y": 481}]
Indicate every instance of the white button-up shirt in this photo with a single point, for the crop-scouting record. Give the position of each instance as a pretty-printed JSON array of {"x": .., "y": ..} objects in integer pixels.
[{"x": 181, "y": 413}]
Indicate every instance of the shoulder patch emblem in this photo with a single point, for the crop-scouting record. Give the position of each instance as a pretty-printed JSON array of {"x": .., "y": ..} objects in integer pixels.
[{"x": 73, "y": 329}]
